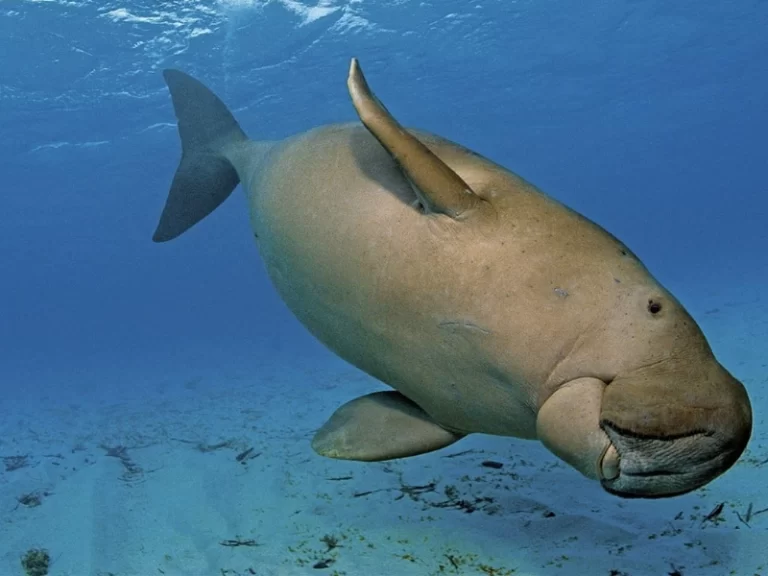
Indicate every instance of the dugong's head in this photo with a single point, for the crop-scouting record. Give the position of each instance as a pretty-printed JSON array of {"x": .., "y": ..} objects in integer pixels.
[
  {"x": 642, "y": 405},
  {"x": 675, "y": 417}
]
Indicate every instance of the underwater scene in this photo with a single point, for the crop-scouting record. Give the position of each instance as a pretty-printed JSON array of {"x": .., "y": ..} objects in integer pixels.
[{"x": 368, "y": 288}]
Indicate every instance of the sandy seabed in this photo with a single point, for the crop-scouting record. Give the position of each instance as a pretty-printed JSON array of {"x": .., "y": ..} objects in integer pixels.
[{"x": 213, "y": 474}]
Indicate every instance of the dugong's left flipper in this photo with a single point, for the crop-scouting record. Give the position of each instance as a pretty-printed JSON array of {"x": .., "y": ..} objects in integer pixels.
[
  {"x": 380, "y": 426},
  {"x": 439, "y": 189}
]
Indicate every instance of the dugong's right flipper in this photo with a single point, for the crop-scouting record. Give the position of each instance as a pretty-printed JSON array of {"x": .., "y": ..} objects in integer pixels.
[
  {"x": 438, "y": 187},
  {"x": 380, "y": 426}
]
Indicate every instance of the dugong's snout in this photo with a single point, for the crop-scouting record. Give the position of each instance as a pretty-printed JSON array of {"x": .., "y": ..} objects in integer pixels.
[
  {"x": 671, "y": 434},
  {"x": 651, "y": 467}
]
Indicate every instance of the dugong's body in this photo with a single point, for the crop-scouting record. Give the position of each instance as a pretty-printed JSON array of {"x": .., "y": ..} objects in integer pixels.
[
  {"x": 474, "y": 322},
  {"x": 485, "y": 304}
]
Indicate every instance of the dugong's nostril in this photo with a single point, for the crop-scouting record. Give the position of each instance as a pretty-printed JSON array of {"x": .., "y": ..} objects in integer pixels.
[{"x": 609, "y": 466}]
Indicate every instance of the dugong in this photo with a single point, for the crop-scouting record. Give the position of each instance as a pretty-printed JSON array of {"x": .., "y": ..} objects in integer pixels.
[{"x": 484, "y": 304}]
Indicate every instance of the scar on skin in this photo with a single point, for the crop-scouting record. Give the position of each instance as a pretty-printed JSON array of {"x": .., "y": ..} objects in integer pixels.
[{"x": 466, "y": 325}]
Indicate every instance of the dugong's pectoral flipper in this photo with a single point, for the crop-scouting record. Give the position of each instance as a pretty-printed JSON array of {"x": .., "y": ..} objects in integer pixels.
[
  {"x": 437, "y": 186},
  {"x": 380, "y": 426}
]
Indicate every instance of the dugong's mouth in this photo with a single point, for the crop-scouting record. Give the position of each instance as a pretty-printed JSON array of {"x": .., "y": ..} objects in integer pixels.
[{"x": 643, "y": 466}]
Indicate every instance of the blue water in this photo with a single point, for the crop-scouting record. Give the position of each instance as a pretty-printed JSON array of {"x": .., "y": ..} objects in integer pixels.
[{"x": 649, "y": 117}]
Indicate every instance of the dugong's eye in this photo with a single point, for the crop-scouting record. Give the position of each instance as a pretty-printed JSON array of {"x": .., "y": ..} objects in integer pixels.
[{"x": 654, "y": 306}]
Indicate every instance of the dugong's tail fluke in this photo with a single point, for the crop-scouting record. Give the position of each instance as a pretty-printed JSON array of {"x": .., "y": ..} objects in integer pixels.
[{"x": 205, "y": 177}]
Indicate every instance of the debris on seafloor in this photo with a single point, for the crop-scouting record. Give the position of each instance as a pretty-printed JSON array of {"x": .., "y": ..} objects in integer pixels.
[
  {"x": 31, "y": 499},
  {"x": 15, "y": 462},
  {"x": 36, "y": 562},
  {"x": 133, "y": 472}
]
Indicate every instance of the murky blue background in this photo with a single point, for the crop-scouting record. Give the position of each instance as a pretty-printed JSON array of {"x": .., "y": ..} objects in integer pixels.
[{"x": 649, "y": 117}]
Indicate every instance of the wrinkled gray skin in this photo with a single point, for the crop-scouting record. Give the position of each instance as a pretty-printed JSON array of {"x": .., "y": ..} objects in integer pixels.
[{"x": 486, "y": 305}]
